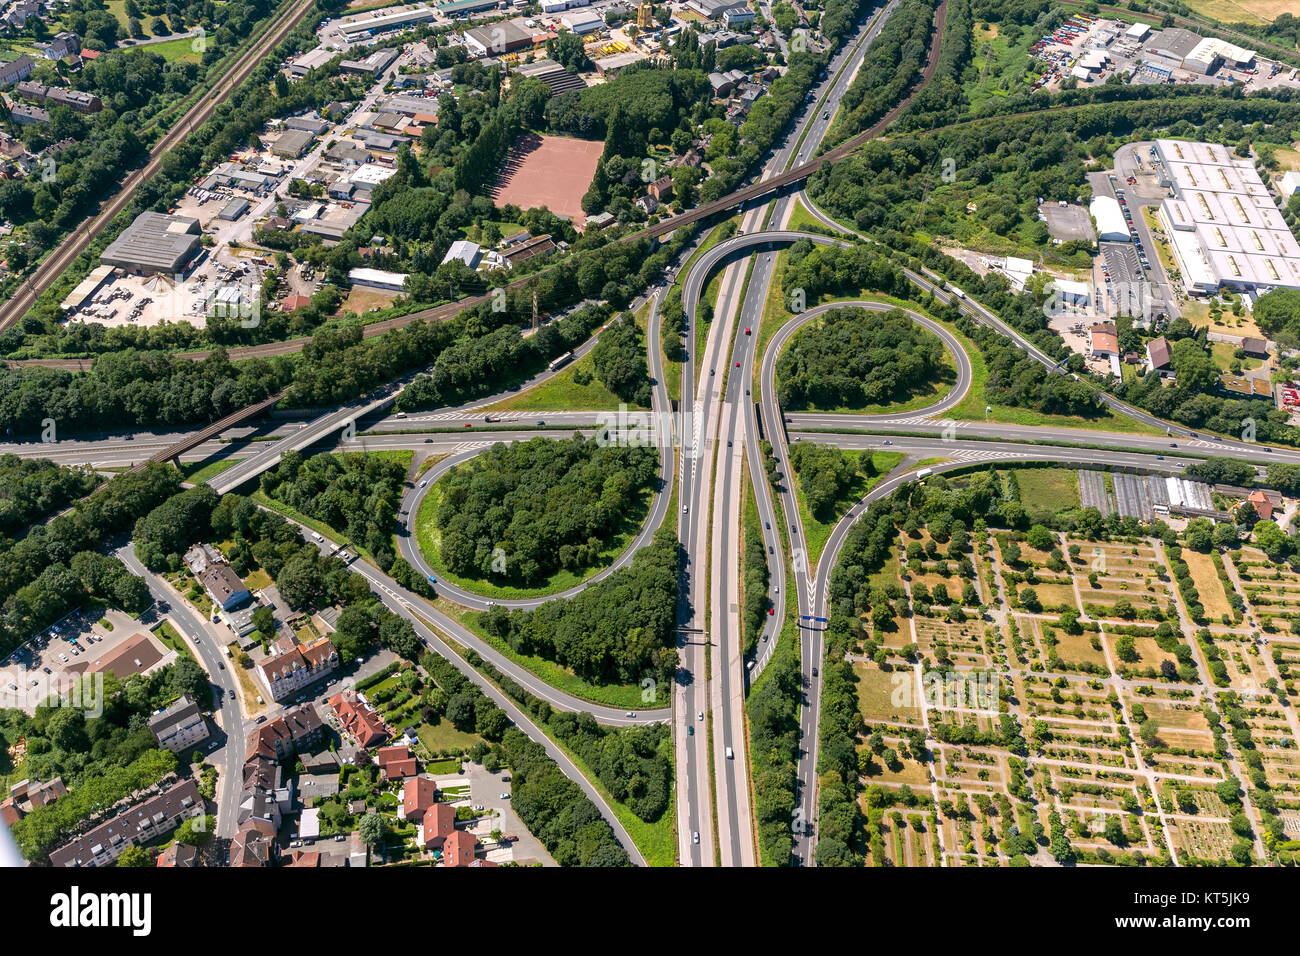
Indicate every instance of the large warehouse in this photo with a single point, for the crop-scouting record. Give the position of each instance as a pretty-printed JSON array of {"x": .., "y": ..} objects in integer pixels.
[
  {"x": 154, "y": 243},
  {"x": 1111, "y": 226},
  {"x": 1223, "y": 226}
]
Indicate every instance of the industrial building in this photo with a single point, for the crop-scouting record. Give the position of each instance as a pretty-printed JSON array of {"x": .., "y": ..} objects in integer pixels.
[
  {"x": 385, "y": 21},
  {"x": 234, "y": 209},
  {"x": 154, "y": 243},
  {"x": 460, "y": 8},
  {"x": 1222, "y": 224},
  {"x": 499, "y": 38},
  {"x": 292, "y": 143},
  {"x": 377, "y": 279},
  {"x": 1211, "y": 53},
  {"x": 1111, "y": 226}
]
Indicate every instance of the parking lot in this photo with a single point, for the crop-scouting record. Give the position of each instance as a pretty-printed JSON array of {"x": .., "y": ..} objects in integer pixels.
[
  {"x": 51, "y": 662},
  {"x": 1068, "y": 222}
]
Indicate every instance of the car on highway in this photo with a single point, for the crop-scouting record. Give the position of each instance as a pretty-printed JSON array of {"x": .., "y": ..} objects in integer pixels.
[
  {"x": 690, "y": 731},
  {"x": 730, "y": 754},
  {"x": 432, "y": 579},
  {"x": 423, "y": 483},
  {"x": 700, "y": 715},
  {"x": 767, "y": 525},
  {"x": 686, "y": 509},
  {"x": 630, "y": 713},
  {"x": 695, "y": 837},
  {"x": 541, "y": 421},
  {"x": 747, "y": 330}
]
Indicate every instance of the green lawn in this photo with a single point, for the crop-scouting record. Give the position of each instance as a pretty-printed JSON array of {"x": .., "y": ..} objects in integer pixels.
[
  {"x": 1048, "y": 489},
  {"x": 169, "y": 636},
  {"x": 563, "y": 392},
  {"x": 816, "y": 530},
  {"x": 200, "y": 471},
  {"x": 444, "y": 736},
  {"x": 428, "y": 537},
  {"x": 174, "y": 50}
]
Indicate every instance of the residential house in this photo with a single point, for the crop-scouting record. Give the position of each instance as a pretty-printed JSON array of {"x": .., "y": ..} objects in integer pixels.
[
  {"x": 153, "y": 817},
  {"x": 224, "y": 587},
  {"x": 296, "y": 730},
  {"x": 16, "y": 70},
  {"x": 1254, "y": 347},
  {"x": 200, "y": 557},
  {"x": 1103, "y": 340},
  {"x": 661, "y": 188},
  {"x": 437, "y": 825},
  {"x": 298, "y": 667},
  {"x": 43, "y": 794},
  {"x": 253, "y": 845},
  {"x": 396, "y": 762},
  {"x": 1158, "y": 356},
  {"x": 418, "y": 795},
  {"x": 65, "y": 43},
  {"x": 1263, "y": 505},
  {"x": 458, "y": 848},
  {"x": 358, "y": 719},
  {"x": 180, "y": 726},
  {"x": 178, "y": 855}
]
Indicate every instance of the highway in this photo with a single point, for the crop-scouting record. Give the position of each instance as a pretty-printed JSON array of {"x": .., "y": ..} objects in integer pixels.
[{"x": 724, "y": 407}]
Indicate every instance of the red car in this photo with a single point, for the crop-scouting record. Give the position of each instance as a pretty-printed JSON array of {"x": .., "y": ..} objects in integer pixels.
[{"x": 746, "y": 330}]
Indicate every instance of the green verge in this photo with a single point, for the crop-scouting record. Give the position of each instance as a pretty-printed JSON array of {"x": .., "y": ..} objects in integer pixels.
[
  {"x": 622, "y": 696},
  {"x": 815, "y": 531},
  {"x": 657, "y": 841},
  {"x": 563, "y": 392},
  {"x": 429, "y": 540},
  {"x": 200, "y": 471}
]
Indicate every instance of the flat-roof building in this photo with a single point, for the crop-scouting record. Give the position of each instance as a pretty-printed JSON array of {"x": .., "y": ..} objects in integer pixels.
[
  {"x": 235, "y": 209},
  {"x": 385, "y": 21},
  {"x": 1223, "y": 226},
  {"x": 1111, "y": 226},
  {"x": 293, "y": 143},
  {"x": 154, "y": 243},
  {"x": 378, "y": 279}
]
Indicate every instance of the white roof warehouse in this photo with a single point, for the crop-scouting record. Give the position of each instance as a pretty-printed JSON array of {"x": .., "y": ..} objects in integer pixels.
[{"x": 1223, "y": 226}]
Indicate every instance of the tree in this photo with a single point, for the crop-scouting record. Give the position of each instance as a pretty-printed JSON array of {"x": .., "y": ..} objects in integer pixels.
[
  {"x": 373, "y": 829},
  {"x": 195, "y": 831},
  {"x": 134, "y": 856},
  {"x": 1126, "y": 649}
]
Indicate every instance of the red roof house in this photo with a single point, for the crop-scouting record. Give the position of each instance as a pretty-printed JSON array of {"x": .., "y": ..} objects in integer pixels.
[
  {"x": 458, "y": 849},
  {"x": 439, "y": 825}
]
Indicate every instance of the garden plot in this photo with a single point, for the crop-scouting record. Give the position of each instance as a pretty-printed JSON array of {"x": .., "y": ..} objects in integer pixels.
[
  {"x": 1270, "y": 590},
  {"x": 892, "y": 766},
  {"x": 1149, "y": 654},
  {"x": 1073, "y": 652},
  {"x": 890, "y": 697},
  {"x": 1181, "y": 725},
  {"x": 908, "y": 837},
  {"x": 971, "y": 770},
  {"x": 1205, "y": 575},
  {"x": 962, "y": 643},
  {"x": 1202, "y": 839}
]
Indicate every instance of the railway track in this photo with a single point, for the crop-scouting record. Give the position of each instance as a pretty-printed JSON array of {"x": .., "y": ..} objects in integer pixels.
[{"x": 81, "y": 237}]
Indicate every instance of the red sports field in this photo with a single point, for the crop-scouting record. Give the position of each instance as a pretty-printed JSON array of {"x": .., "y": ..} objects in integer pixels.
[{"x": 550, "y": 171}]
